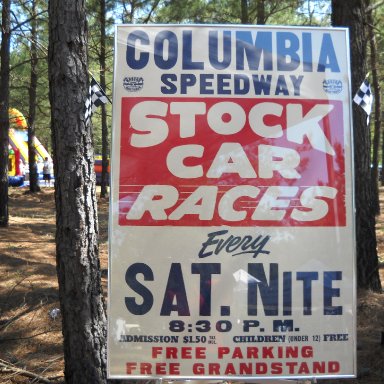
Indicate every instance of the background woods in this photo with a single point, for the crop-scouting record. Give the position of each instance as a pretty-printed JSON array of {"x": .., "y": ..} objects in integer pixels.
[{"x": 51, "y": 95}]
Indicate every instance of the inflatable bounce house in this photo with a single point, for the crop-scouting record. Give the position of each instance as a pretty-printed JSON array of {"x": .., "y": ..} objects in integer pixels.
[
  {"x": 18, "y": 152},
  {"x": 98, "y": 169},
  {"x": 18, "y": 149},
  {"x": 15, "y": 174}
]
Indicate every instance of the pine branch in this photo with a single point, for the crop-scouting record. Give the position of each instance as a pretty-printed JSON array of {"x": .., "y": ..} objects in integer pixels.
[{"x": 8, "y": 367}]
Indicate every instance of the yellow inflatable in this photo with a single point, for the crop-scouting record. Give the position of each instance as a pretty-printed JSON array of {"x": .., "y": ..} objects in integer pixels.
[
  {"x": 16, "y": 119},
  {"x": 18, "y": 137}
]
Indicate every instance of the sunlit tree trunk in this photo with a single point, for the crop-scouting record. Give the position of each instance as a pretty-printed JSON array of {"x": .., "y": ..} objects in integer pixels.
[
  {"x": 33, "y": 174},
  {"x": 244, "y": 12},
  {"x": 260, "y": 12},
  {"x": 78, "y": 269},
  {"x": 104, "y": 126},
  {"x": 4, "y": 114},
  {"x": 377, "y": 121},
  {"x": 352, "y": 14}
]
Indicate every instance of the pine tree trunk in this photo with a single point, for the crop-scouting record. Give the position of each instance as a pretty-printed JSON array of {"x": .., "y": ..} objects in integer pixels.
[
  {"x": 4, "y": 106},
  {"x": 377, "y": 104},
  {"x": 352, "y": 14},
  {"x": 78, "y": 269},
  {"x": 260, "y": 12},
  {"x": 104, "y": 126},
  {"x": 244, "y": 12},
  {"x": 33, "y": 174}
]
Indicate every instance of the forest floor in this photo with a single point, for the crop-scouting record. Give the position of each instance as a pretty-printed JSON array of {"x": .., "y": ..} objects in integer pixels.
[{"x": 30, "y": 334}]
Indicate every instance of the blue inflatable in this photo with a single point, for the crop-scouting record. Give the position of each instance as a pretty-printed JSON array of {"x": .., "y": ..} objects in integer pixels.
[{"x": 16, "y": 181}]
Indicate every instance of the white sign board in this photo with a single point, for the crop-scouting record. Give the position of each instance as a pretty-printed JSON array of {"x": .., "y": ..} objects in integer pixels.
[{"x": 232, "y": 228}]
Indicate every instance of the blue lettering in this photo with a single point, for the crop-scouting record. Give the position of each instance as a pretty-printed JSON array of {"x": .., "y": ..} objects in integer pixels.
[
  {"x": 165, "y": 59},
  {"x": 175, "y": 290},
  {"x": 287, "y": 47},
  {"x": 246, "y": 47},
  {"x": 241, "y": 84},
  {"x": 223, "y": 84},
  {"x": 214, "y": 50},
  {"x": 210, "y": 241},
  {"x": 254, "y": 51},
  {"x": 268, "y": 292},
  {"x": 287, "y": 293},
  {"x": 186, "y": 80},
  {"x": 327, "y": 58},
  {"x": 281, "y": 86},
  {"x": 307, "y": 52},
  {"x": 262, "y": 84},
  {"x": 205, "y": 271},
  {"x": 307, "y": 278},
  {"x": 330, "y": 292},
  {"x": 206, "y": 84},
  {"x": 167, "y": 80},
  {"x": 188, "y": 63},
  {"x": 130, "y": 55},
  {"x": 296, "y": 82},
  {"x": 145, "y": 293}
]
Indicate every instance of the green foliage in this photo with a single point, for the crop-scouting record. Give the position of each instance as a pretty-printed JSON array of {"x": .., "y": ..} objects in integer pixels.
[
  {"x": 283, "y": 12},
  {"x": 378, "y": 14},
  {"x": 278, "y": 12},
  {"x": 189, "y": 11},
  {"x": 21, "y": 65},
  {"x": 94, "y": 54},
  {"x": 315, "y": 12}
]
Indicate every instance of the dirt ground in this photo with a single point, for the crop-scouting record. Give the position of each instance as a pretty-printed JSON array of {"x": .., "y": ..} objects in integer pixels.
[{"x": 30, "y": 333}]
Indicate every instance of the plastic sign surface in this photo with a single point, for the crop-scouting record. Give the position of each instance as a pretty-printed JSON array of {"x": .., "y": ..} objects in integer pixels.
[{"x": 231, "y": 226}]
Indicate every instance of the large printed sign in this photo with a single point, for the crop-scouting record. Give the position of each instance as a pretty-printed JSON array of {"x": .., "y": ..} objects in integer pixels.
[{"x": 231, "y": 237}]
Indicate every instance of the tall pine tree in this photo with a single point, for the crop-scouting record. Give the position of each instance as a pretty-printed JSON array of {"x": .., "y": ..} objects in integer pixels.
[
  {"x": 4, "y": 106},
  {"x": 78, "y": 268},
  {"x": 352, "y": 14}
]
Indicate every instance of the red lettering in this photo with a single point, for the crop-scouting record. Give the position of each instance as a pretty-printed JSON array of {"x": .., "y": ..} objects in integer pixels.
[{"x": 130, "y": 367}]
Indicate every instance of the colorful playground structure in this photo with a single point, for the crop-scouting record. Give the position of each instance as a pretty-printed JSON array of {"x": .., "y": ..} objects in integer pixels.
[
  {"x": 18, "y": 169},
  {"x": 98, "y": 169}
]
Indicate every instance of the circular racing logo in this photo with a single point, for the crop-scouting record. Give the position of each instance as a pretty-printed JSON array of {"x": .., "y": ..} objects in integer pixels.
[
  {"x": 332, "y": 86},
  {"x": 133, "y": 83}
]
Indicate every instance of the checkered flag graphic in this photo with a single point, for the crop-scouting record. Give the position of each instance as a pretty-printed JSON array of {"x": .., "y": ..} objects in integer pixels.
[
  {"x": 364, "y": 97},
  {"x": 96, "y": 98}
]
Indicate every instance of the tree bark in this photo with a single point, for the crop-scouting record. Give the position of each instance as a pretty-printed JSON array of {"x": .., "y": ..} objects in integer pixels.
[
  {"x": 78, "y": 269},
  {"x": 377, "y": 122},
  {"x": 352, "y": 14},
  {"x": 260, "y": 12},
  {"x": 244, "y": 12},
  {"x": 33, "y": 174},
  {"x": 104, "y": 126},
  {"x": 4, "y": 114}
]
